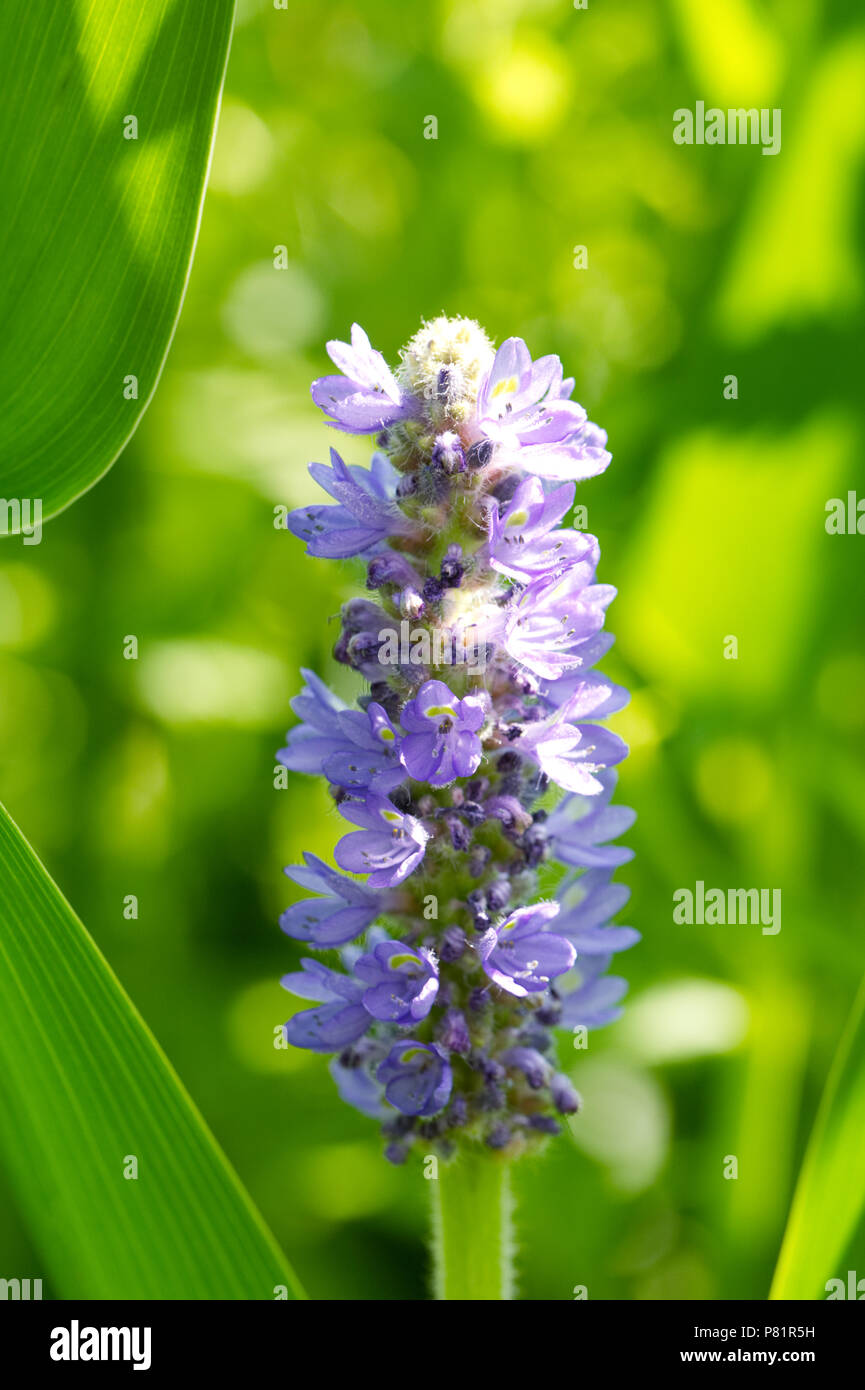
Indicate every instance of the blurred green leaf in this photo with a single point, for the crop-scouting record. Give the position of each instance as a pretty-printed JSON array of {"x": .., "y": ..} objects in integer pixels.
[
  {"x": 109, "y": 109},
  {"x": 830, "y": 1194},
  {"x": 84, "y": 1086}
]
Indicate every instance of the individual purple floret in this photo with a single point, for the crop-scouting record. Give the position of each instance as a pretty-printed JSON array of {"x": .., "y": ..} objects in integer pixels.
[
  {"x": 402, "y": 983},
  {"x": 573, "y": 755},
  {"x": 366, "y": 397},
  {"x": 344, "y": 911},
  {"x": 388, "y": 847},
  {"x": 417, "y": 1078},
  {"x": 526, "y": 541},
  {"x": 521, "y": 409},
  {"x": 342, "y": 1018},
  {"x": 521, "y": 955},
  {"x": 588, "y": 905},
  {"x": 581, "y": 827},
  {"x": 353, "y": 749},
  {"x": 474, "y": 646},
  {"x": 441, "y": 741},
  {"x": 553, "y": 616},
  {"x": 593, "y": 1003},
  {"x": 366, "y": 513}
]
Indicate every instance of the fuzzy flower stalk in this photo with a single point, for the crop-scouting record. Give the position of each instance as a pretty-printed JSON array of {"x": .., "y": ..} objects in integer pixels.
[{"x": 436, "y": 976}]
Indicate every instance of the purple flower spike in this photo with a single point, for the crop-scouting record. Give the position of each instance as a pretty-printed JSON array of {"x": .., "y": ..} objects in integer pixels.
[
  {"x": 344, "y": 911},
  {"x": 521, "y": 956},
  {"x": 389, "y": 846},
  {"x": 473, "y": 575},
  {"x": 341, "y": 1020},
  {"x": 402, "y": 983},
  {"x": 417, "y": 1078},
  {"x": 441, "y": 740},
  {"x": 524, "y": 541},
  {"x": 367, "y": 396}
]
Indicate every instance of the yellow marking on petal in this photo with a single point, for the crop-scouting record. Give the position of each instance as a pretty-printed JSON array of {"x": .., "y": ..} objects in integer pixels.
[
  {"x": 396, "y": 961},
  {"x": 436, "y": 711}
]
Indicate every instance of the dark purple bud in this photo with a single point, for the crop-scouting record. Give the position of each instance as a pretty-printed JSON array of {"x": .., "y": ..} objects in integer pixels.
[
  {"x": 477, "y": 906},
  {"x": 454, "y": 1032},
  {"x": 508, "y": 762},
  {"x": 448, "y": 454},
  {"x": 479, "y": 454},
  {"x": 508, "y": 810},
  {"x": 453, "y": 941},
  {"x": 545, "y": 1124},
  {"x": 457, "y": 1113},
  {"x": 498, "y": 894},
  {"x": 390, "y": 569},
  {"x": 565, "y": 1098},
  {"x": 432, "y": 590},
  {"x": 489, "y": 1069},
  {"x": 461, "y": 837},
  {"x": 396, "y": 1154},
  {"x": 549, "y": 1014},
  {"x": 478, "y": 999},
  {"x": 534, "y": 1036},
  {"x": 452, "y": 567},
  {"x": 473, "y": 813},
  {"x": 491, "y": 1098},
  {"x": 532, "y": 1065},
  {"x": 407, "y": 486},
  {"x": 499, "y": 1137},
  {"x": 479, "y": 859},
  {"x": 534, "y": 845},
  {"x": 513, "y": 731}
]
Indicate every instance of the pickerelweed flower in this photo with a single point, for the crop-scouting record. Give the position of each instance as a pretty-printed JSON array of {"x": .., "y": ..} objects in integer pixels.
[{"x": 448, "y": 976}]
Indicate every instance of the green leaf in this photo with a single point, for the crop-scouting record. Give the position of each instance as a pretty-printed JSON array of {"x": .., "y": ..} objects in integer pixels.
[
  {"x": 83, "y": 1086},
  {"x": 97, "y": 229},
  {"x": 830, "y": 1193}
]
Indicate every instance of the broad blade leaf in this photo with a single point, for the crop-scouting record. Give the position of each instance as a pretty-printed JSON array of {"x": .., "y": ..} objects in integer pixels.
[
  {"x": 97, "y": 228},
  {"x": 830, "y": 1193},
  {"x": 84, "y": 1085}
]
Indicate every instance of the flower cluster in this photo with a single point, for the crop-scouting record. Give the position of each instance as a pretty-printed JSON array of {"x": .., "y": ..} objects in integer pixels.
[{"x": 440, "y": 1022}]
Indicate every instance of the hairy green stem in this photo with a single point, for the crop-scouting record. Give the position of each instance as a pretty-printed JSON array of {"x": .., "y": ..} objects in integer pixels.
[{"x": 472, "y": 1231}]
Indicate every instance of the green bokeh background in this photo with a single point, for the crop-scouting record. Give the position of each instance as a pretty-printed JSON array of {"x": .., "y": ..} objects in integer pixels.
[{"x": 154, "y": 776}]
